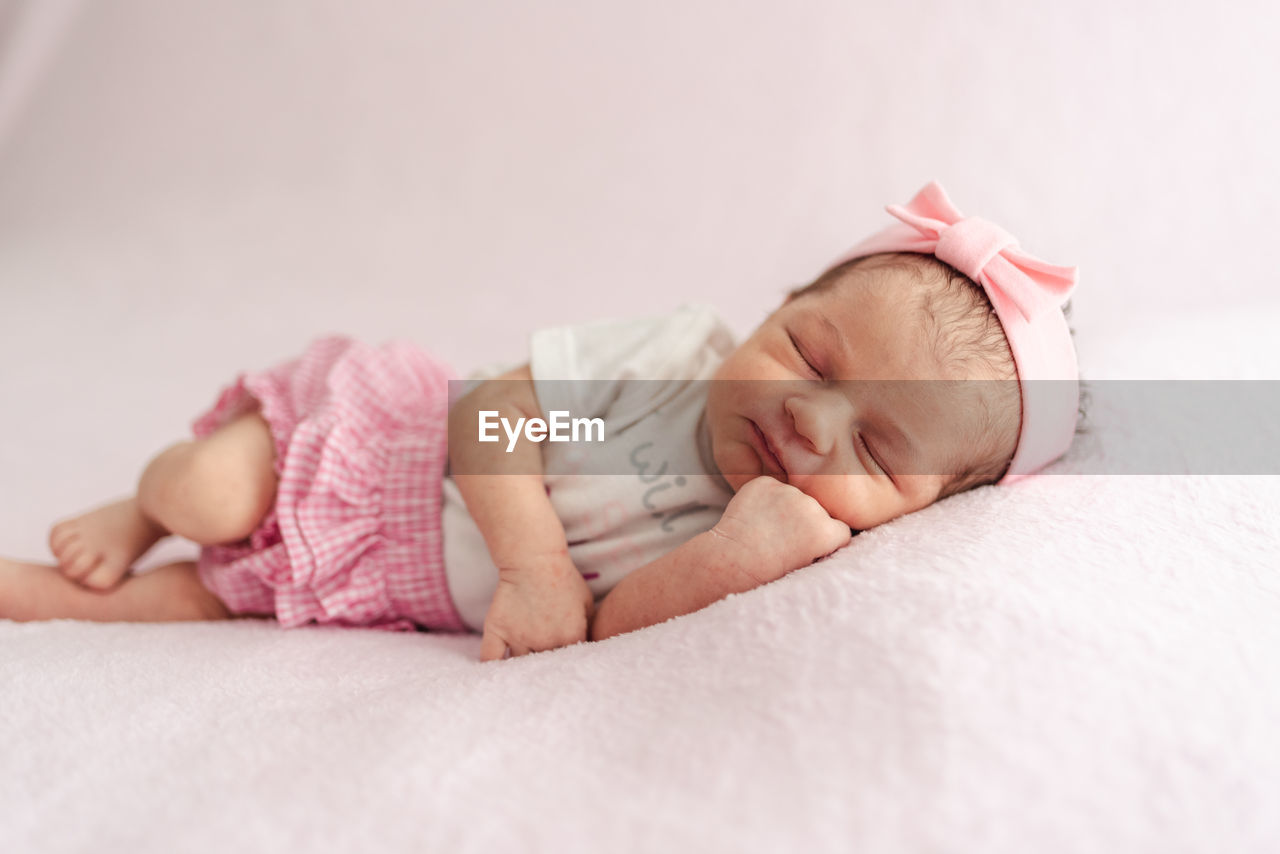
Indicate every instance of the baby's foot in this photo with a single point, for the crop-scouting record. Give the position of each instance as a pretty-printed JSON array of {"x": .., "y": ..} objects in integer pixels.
[{"x": 98, "y": 548}]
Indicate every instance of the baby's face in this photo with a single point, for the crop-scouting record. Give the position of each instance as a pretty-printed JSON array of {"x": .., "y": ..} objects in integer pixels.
[{"x": 866, "y": 451}]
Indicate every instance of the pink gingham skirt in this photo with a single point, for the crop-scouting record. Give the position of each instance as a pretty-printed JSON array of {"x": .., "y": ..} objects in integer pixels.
[{"x": 354, "y": 538}]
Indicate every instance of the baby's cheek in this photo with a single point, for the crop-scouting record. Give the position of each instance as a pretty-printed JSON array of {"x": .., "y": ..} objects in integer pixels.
[{"x": 840, "y": 497}]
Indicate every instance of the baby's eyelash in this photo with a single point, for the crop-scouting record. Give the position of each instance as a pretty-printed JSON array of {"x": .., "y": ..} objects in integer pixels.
[
  {"x": 863, "y": 442},
  {"x": 800, "y": 353}
]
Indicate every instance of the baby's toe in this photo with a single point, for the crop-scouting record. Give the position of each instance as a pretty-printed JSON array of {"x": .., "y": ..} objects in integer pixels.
[
  {"x": 80, "y": 562},
  {"x": 104, "y": 576},
  {"x": 61, "y": 536}
]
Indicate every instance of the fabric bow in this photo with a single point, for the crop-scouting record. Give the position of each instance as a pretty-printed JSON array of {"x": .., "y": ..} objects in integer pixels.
[{"x": 986, "y": 253}]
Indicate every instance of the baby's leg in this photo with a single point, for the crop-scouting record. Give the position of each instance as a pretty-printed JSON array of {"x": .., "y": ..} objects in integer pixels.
[
  {"x": 213, "y": 490},
  {"x": 29, "y": 591}
]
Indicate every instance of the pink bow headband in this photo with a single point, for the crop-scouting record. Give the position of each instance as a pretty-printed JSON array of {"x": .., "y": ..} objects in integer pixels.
[{"x": 1027, "y": 295}]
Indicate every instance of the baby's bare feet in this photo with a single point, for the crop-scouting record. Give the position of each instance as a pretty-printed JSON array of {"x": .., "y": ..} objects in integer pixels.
[{"x": 98, "y": 548}]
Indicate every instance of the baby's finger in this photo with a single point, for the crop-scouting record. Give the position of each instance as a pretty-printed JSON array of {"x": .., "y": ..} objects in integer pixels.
[
  {"x": 836, "y": 535},
  {"x": 492, "y": 647}
]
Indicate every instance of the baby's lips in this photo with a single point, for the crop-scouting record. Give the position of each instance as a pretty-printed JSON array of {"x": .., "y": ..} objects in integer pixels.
[{"x": 770, "y": 451}]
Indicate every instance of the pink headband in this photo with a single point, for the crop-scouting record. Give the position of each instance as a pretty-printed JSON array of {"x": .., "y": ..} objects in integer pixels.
[{"x": 1027, "y": 295}]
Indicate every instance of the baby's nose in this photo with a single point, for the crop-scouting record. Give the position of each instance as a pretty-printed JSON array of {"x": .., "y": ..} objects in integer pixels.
[{"x": 816, "y": 419}]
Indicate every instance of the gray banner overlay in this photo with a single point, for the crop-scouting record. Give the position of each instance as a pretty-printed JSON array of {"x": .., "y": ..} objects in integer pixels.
[{"x": 910, "y": 427}]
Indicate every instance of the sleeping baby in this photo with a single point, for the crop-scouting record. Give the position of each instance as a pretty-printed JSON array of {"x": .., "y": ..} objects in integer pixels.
[{"x": 628, "y": 473}]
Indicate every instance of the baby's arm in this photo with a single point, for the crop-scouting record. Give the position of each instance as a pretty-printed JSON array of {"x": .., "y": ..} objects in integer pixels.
[
  {"x": 541, "y": 601},
  {"x": 768, "y": 530}
]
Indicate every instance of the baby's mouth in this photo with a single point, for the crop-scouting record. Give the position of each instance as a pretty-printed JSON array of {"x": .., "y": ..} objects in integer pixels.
[{"x": 766, "y": 450}]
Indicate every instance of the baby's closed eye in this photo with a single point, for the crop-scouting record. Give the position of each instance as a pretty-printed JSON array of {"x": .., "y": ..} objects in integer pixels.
[{"x": 800, "y": 352}]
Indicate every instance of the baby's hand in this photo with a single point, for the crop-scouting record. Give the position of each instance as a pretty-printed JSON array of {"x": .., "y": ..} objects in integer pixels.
[
  {"x": 543, "y": 604},
  {"x": 771, "y": 528}
]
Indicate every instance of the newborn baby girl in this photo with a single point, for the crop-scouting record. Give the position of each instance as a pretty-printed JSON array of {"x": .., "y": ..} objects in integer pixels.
[{"x": 350, "y": 487}]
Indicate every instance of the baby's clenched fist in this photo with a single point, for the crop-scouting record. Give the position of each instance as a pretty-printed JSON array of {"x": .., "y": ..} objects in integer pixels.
[
  {"x": 771, "y": 528},
  {"x": 542, "y": 604}
]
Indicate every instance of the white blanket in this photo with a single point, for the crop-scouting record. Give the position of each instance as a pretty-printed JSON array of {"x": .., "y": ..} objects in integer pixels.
[{"x": 1077, "y": 663}]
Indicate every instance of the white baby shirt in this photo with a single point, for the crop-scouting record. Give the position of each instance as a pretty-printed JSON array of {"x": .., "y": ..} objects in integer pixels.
[{"x": 648, "y": 379}]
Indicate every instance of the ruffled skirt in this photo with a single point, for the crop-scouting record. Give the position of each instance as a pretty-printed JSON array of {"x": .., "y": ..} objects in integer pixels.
[{"x": 354, "y": 537}]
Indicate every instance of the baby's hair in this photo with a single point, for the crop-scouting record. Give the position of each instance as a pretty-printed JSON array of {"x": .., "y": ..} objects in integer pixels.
[{"x": 964, "y": 332}]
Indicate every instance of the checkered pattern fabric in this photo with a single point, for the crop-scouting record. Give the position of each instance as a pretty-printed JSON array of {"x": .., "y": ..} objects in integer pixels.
[{"x": 354, "y": 538}]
